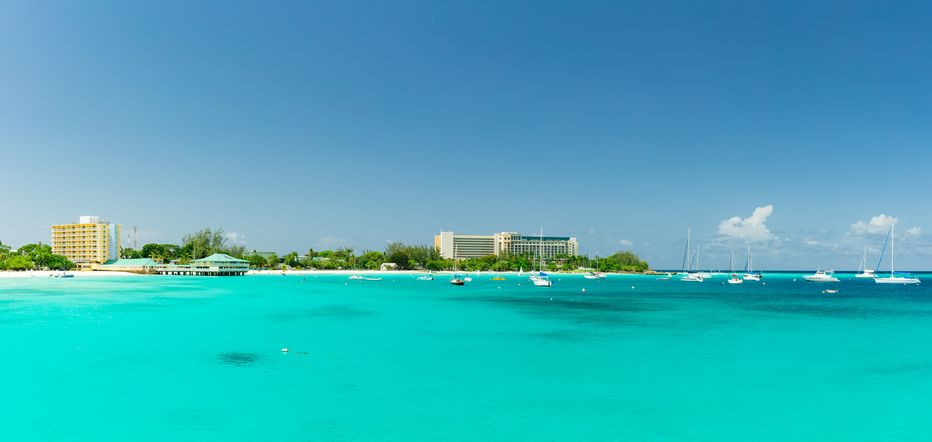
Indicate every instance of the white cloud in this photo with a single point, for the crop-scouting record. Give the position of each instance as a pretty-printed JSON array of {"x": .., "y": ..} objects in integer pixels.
[
  {"x": 626, "y": 242},
  {"x": 878, "y": 225},
  {"x": 753, "y": 228},
  {"x": 236, "y": 238},
  {"x": 913, "y": 231}
]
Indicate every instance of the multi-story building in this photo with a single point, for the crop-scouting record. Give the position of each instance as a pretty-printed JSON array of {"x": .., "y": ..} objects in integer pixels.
[
  {"x": 550, "y": 246},
  {"x": 449, "y": 244},
  {"x": 88, "y": 243}
]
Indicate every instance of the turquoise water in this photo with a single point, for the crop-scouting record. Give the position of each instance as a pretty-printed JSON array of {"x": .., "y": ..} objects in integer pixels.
[{"x": 632, "y": 358}]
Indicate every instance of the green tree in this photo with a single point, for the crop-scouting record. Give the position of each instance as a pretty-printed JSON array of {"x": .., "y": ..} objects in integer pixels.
[
  {"x": 18, "y": 262},
  {"x": 257, "y": 261},
  {"x": 273, "y": 261}
]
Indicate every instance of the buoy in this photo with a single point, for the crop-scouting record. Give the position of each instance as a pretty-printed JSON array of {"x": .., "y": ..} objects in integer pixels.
[
  {"x": 285, "y": 350},
  {"x": 584, "y": 290},
  {"x": 632, "y": 287}
]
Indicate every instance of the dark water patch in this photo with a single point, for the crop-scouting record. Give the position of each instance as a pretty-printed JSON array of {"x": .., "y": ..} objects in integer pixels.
[
  {"x": 327, "y": 311},
  {"x": 564, "y": 335},
  {"x": 238, "y": 358}
]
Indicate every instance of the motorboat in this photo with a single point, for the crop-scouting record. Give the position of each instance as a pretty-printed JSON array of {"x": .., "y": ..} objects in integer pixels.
[
  {"x": 372, "y": 278},
  {"x": 821, "y": 276},
  {"x": 457, "y": 280},
  {"x": 357, "y": 277},
  {"x": 425, "y": 278}
]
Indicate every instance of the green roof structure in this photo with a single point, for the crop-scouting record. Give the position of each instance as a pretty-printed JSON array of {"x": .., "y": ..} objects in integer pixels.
[{"x": 220, "y": 257}]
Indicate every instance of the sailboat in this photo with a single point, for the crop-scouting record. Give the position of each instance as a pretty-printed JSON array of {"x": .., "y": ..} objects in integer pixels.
[
  {"x": 894, "y": 278},
  {"x": 863, "y": 271},
  {"x": 541, "y": 279},
  {"x": 355, "y": 276},
  {"x": 456, "y": 279},
  {"x": 734, "y": 276},
  {"x": 749, "y": 274},
  {"x": 689, "y": 276},
  {"x": 704, "y": 275}
]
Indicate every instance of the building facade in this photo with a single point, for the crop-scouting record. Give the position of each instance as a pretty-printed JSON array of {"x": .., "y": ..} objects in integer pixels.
[
  {"x": 450, "y": 244},
  {"x": 88, "y": 243}
]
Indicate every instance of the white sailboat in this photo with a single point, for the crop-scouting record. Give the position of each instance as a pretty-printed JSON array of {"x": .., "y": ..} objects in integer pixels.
[
  {"x": 894, "y": 278},
  {"x": 749, "y": 274},
  {"x": 863, "y": 271},
  {"x": 355, "y": 276},
  {"x": 734, "y": 276},
  {"x": 456, "y": 279},
  {"x": 688, "y": 275},
  {"x": 541, "y": 279},
  {"x": 703, "y": 274}
]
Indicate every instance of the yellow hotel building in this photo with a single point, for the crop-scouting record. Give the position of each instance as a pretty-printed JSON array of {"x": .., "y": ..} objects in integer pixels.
[{"x": 88, "y": 243}]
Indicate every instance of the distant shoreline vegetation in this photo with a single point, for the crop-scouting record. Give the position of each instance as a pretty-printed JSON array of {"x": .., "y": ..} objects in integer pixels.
[
  {"x": 407, "y": 257},
  {"x": 32, "y": 257}
]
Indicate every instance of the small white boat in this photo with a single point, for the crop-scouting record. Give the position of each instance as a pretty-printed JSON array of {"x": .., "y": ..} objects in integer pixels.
[
  {"x": 692, "y": 277},
  {"x": 457, "y": 280},
  {"x": 821, "y": 276},
  {"x": 734, "y": 276},
  {"x": 830, "y": 291},
  {"x": 894, "y": 278},
  {"x": 897, "y": 279},
  {"x": 61, "y": 274},
  {"x": 372, "y": 278},
  {"x": 863, "y": 271},
  {"x": 749, "y": 273},
  {"x": 595, "y": 275},
  {"x": 467, "y": 278},
  {"x": 357, "y": 277},
  {"x": 425, "y": 278},
  {"x": 541, "y": 280}
]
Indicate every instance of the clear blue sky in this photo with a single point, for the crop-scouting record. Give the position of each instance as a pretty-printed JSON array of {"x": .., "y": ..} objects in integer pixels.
[{"x": 306, "y": 124}]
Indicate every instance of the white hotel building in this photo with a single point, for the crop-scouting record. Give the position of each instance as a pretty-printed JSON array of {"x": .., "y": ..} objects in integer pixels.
[{"x": 462, "y": 246}]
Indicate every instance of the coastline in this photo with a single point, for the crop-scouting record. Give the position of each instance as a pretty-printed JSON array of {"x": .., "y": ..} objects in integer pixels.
[{"x": 10, "y": 274}]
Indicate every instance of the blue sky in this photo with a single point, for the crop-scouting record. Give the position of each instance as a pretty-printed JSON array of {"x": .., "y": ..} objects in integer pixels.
[{"x": 312, "y": 124}]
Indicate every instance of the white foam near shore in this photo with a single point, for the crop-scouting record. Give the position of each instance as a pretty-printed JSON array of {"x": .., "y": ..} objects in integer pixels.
[{"x": 8, "y": 274}]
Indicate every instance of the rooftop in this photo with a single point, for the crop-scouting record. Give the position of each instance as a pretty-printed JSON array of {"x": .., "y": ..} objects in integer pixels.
[{"x": 220, "y": 257}]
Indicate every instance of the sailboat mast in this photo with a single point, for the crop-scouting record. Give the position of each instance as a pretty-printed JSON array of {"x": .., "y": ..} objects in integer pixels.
[
  {"x": 686, "y": 252},
  {"x": 540, "y": 254},
  {"x": 698, "y": 268},
  {"x": 892, "y": 242}
]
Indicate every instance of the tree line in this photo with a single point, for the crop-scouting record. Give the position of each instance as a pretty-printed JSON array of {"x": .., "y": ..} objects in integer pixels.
[{"x": 32, "y": 257}]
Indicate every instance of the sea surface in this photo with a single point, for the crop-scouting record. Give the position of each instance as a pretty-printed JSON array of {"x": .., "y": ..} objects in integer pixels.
[{"x": 631, "y": 358}]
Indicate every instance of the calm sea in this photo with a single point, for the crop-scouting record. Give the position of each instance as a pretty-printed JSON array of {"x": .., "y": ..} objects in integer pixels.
[{"x": 631, "y": 358}]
